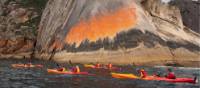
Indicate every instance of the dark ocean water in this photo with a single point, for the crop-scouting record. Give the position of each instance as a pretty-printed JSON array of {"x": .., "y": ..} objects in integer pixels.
[{"x": 39, "y": 78}]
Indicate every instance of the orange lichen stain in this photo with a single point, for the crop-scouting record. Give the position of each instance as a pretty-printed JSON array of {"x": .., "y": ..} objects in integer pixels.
[{"x": 106, "y": 25}]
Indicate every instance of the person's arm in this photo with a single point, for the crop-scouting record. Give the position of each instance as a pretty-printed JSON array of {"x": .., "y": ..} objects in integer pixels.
[{"x": 141, "y": 75}]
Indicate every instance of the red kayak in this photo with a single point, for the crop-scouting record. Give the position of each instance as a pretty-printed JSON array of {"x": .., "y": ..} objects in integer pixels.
[
  {"x": 132, "y": 76},
  {"x": 177, "y": 80},
  {"x": 26, "y": 66},
  {"x": 101, "y": 67},
  {"x": 55, "y": 71}
]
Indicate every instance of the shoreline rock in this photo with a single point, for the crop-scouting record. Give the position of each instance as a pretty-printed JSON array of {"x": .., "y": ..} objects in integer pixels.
[{"x": 137, "y": 56}]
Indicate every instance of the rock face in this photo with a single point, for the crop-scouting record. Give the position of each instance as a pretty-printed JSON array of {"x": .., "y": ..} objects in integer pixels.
[
  {"x": 117, "y": 31},
  {"x": 18, "y": 23},
  {"x": 190, "y": 10}
]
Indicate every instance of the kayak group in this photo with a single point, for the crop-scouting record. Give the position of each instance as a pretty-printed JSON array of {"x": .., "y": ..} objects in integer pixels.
[
  {"x": 169, "y": 75},
  {"x": 143, "y": 75}
]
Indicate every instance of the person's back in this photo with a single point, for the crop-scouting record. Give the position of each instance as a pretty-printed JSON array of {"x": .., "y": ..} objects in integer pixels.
[
  {"x": 170, "y": 74},
  {"x": 109, "y": 65},
  {"x": 97, "y": 65},
  {"x": 143, "y": 73},
  {"x": 76, "y": 69}
]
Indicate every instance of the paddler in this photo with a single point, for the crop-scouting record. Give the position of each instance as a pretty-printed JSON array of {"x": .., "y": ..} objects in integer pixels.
[
  {"x": 76, "y": 69},
  {"x": 109, "y": 65},
  {"x": 170, "y": 74},
  {"x": 97, "y": 65},
  {"x": 62, "y": 69},
  {"x": 143, "y": 73}
]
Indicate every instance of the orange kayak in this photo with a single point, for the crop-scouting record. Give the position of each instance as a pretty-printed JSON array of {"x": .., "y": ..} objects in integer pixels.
[
  {"x": 132, "y": 76},
  {"x": 26, "y": 66},
  {"x": 55, "y": 71}
]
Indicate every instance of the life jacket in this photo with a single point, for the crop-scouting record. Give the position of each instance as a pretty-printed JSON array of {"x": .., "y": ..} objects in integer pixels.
[
  {"x": 143, "y": 74},
  {"x": 98, "y": 65},
  {"x": 76, "y": 69},
  {"x": 109, "y": 65},
  {"x": 171, "y": 75}
]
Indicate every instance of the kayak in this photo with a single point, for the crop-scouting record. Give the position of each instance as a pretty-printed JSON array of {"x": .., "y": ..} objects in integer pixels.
[
  {"x": 132, "y": 76},
  {"x": 177, "y": 80},
  {"x": 26, "y": 66},
  {"x": 90, "y": 66},
  {"x": 55, "y": 71},
  {"x": 124, "y": 76},
  {"x": 102, "y": 67}
]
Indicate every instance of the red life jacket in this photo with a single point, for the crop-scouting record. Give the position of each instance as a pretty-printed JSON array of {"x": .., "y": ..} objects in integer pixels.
[
  {"x": 75, "y": 69},
  {"x": 143, "y": 74},
  {"x": 171, "y": 75},
  {"x": 97, "y": 65},
  {"x": 109, "y": 65}
]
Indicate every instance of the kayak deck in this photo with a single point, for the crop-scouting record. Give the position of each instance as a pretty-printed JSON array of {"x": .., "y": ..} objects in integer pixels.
[
  {"x": 132, "y": 76},
  {"x": 124, "y": 76}
]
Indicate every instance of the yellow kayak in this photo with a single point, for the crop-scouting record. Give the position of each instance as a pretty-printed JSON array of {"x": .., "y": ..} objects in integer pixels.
[
  {"x": 89, "y": 66},
  {"x": 124, "y": 76}
]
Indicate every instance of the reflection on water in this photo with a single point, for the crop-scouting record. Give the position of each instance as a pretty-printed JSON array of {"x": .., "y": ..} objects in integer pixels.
[{"x": 39, "y": 78}]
